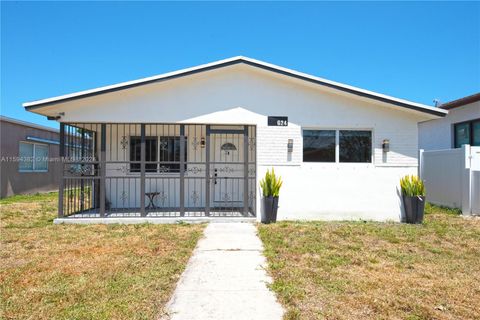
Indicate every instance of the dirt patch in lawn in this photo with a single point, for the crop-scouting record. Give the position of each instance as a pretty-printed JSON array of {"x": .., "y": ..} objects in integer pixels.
[
  {"x": 86, "y": 271},
  {"x": 367, "y": 270}
]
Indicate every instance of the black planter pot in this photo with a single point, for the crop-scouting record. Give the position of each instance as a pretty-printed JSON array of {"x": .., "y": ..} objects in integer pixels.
[
  {"x": 414, "y": 208},
  {"x": 274, "y": 209},
  {"x": 270, "y": 208}
]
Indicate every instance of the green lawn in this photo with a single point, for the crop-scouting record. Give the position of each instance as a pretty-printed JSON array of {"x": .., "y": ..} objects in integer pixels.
[
  {"x": 86, "y": 271},
  {"x": 367, "y": 270}
]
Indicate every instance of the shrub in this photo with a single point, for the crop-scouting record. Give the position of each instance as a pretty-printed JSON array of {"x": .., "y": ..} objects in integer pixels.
[
  {"x": 271, "y": 184},
  {"x": 412, "y": 186}
]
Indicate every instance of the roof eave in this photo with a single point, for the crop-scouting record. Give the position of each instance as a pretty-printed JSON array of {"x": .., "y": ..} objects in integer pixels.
[
  {"x": 461, "y": 102},
  {"x": 30, "y": 106}
]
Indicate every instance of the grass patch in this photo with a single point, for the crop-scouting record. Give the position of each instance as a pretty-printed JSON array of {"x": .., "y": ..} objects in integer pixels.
[
  {"x": 368, "y": 270},
  {"x": 86, "y": 271}
]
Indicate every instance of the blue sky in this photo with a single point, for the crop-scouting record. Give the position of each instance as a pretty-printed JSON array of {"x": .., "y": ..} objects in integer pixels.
[{"x": 412, "y": 50}]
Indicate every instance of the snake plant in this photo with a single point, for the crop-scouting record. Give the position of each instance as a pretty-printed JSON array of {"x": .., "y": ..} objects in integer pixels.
[
  {"x": 412, "y": 186},
  {"x": 271, "y": 184}
]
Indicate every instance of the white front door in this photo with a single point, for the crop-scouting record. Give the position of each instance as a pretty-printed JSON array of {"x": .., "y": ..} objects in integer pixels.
[{"x": 227, "y": 170}]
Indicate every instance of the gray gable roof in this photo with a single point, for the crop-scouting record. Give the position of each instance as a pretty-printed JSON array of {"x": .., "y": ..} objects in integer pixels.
[{"x": 232, "y": 61}]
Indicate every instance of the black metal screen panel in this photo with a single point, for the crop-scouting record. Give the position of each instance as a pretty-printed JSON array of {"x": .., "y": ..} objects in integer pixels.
[
  {"x": 81, "y": 183},
  {"x": 157, "y": 170}
]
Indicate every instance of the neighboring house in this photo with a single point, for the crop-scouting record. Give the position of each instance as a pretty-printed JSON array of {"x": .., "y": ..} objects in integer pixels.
[
  {"x": 450, "y": 162},
  {"x": 196, "y": 142},
  {"x": 28, "y": 153},
  {"x": 461, "y": 126}
]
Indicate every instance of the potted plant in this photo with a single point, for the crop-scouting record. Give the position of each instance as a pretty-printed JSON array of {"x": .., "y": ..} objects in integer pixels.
[
  {"x": 413, "y": 194},
  {"x": 270, "y": 185}
]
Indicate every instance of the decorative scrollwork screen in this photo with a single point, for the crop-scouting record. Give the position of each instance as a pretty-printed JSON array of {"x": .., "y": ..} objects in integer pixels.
[{"x": 159, "y": 170}]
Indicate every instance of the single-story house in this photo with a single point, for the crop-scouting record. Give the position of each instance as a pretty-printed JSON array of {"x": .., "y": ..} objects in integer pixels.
[
  {"x": 29, "y": 157},
  {"x": 196, "y": 142},
  {"x": 450, "y": 155},
  {"x": 461, "y": 125}
]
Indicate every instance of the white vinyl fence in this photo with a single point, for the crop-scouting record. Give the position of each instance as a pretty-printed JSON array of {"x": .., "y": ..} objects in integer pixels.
[{"x": 452, "y": 177}]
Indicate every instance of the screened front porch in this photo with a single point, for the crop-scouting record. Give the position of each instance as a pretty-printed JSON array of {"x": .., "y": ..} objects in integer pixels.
[{"x": 157, "y": 170}]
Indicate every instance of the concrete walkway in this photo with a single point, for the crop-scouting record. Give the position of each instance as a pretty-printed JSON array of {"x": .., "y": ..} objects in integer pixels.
[{"x": 225, "y": 278}]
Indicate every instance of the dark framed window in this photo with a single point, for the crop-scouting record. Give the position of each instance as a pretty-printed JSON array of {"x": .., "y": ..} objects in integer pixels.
[
  {"x": 150, "y": 154},
  {"x": 319, "y": 145},
  {"x": 466, "y": 133},
  {"x": 170, "y": 154},
  {"x": 355, "y": 146},
  {"x": 476, "y": 133}
]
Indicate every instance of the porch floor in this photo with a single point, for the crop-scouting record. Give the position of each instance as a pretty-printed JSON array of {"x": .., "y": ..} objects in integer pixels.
[
  {"x": 153, "y": 220},
  {"x": 153, "y": 216},
  {"x": 158, "y": 214}
]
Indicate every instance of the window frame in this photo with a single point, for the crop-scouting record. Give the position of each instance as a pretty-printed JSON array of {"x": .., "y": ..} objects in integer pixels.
[
  {"x": 158, "y": 163},
  {"x": 34, "y": 144},
  {"x": 169, "y": 163},
  {"x": 337, "y": 146},
  {"x": 371, "y": 146},
  {"x": 470, "y": 126},
  {"x": 138, "y": 162}
]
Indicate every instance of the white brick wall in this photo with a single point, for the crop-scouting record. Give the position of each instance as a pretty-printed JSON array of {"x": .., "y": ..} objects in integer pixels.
[
  {"x": 272, "y": 145},
  {"x": 403, "y": 145}
]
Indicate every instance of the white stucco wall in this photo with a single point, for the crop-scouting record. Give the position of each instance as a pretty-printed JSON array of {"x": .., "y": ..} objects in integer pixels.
[
  {"x": 245, "y": 95},
  {"x": 438, "y": 134},
  {"x": 338, "y": 192}
]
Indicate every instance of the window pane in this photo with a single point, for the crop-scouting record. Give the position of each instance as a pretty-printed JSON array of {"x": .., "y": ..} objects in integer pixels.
[
  {"x": 26, "y": 156},
  {"x": 170, "y": 152},
  {"x": 41, "y": 157},
  {"x": 150, "y": 153},
  {"x": 135, "y": 154},
  {"x": 462, "y": 134},
  {"x": 319, "y": 145},
  {"x": 476, "y": 133},
  {"x": 355, "y": 146}
]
